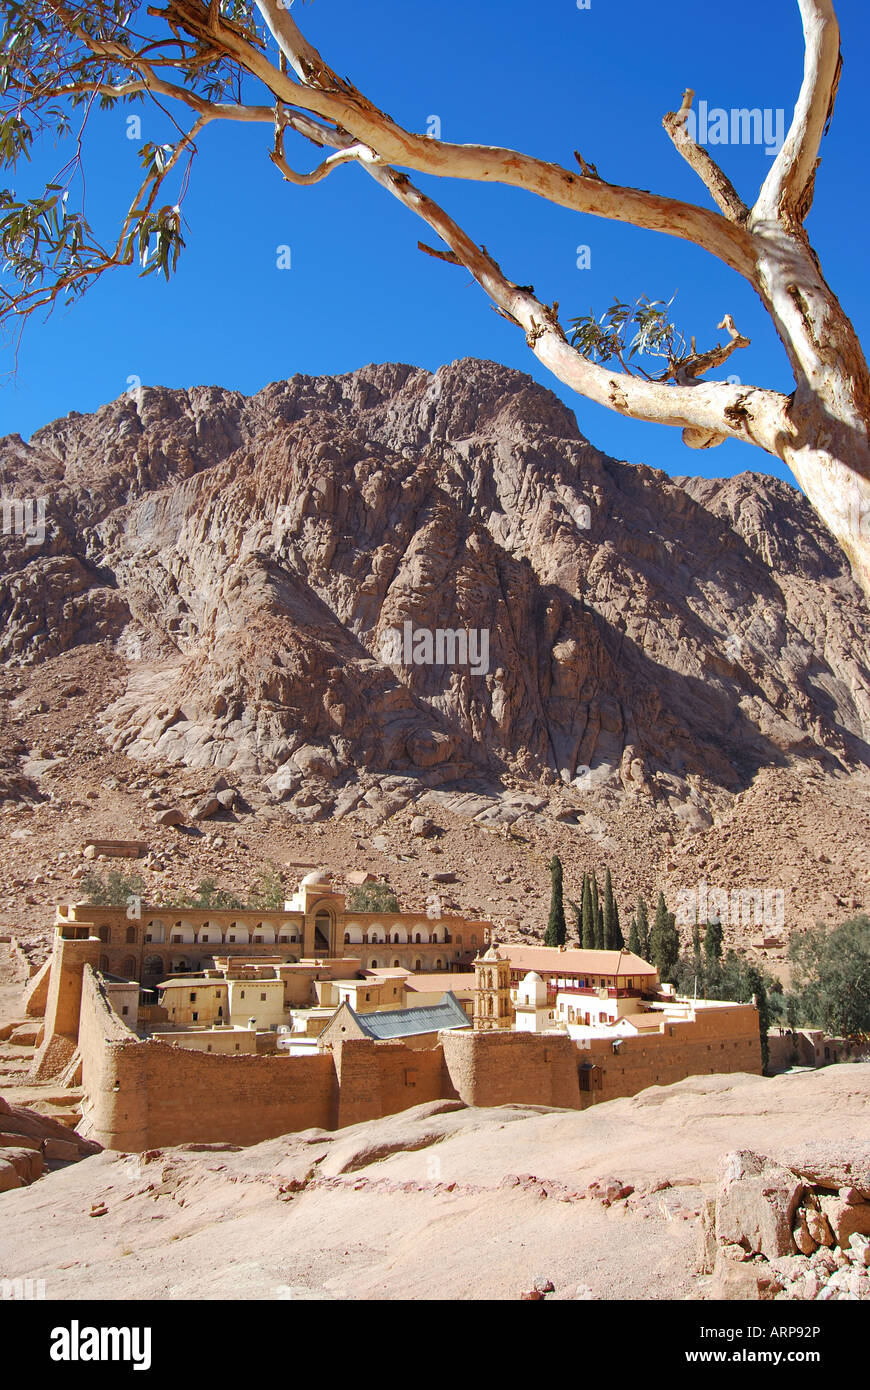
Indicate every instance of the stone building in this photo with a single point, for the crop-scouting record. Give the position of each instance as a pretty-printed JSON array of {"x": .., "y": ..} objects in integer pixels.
[
  {"x": 149, "y": 944},
  {"x": 492, "y": 998}
]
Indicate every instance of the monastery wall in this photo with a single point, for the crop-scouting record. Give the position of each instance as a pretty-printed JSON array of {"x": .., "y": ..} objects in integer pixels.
[
  {"x": 144, "y": 1095},
  {"x": 382, "y": 1078},
  {"x": 147, "y": 1094},
  {"x": 722, "y": 1039},
  {"x": 504, "y": 1068}
]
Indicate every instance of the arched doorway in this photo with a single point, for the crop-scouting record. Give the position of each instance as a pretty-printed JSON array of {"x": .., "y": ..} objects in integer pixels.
[{"x": 322, "y": 933}]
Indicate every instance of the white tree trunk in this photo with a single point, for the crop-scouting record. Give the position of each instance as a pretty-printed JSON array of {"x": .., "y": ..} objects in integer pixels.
[{"x": 826, "y": 445}]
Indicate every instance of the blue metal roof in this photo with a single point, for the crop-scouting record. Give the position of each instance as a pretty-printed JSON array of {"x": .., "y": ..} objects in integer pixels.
[{"x": 405, "y": 1023}]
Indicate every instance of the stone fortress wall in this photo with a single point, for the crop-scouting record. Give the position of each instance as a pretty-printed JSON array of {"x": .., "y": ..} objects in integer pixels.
[{"x": 142, "y": 1094}]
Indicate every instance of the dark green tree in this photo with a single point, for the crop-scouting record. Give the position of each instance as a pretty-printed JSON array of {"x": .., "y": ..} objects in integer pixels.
[
  {"x": 577, "y": 913},
  {"x": 618, "y": 938},
  {"x": 587, "y": 917},
  {"x": 556, "y": 930},
  {"x": 713, "y": 943},
  {"x": 597, "y": 914},
  {"x": 831, "y": 977},
  {"x": 643, "y": 927},
  {"x": 664, "y": 942},
  {"x": 373, "y": 897},
  {"x": 114, "y": 890},
  {"x": 608, "y": 914},
  {"x": 634, "y": 938}
]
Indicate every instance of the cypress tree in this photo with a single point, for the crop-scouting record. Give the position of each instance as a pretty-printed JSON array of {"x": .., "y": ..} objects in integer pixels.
[
  {"x": 618, "y": 938},
  {"x": 643, "y": 928},
  {"x": 713, "y": 944},
  {"x": 609, "y": 933},
  {"x": 664, "y": 941},
  {"x": 586, "y": 917},
  {"x": 597, "y": 915},
  {"x": 556, "y": 930},
  {"x": 634, "y": 938},
  {"x": 577, "y": 910}
]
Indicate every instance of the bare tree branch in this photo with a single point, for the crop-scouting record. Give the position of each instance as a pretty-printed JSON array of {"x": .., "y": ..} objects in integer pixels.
[
  {"x": 334, "y": 99},
  {"x": 787, "y": 192},
  {"x": 715, "y": 181}
]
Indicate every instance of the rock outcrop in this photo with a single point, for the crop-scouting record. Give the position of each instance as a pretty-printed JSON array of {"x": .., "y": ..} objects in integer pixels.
[
  {"x": 798, "y": 1232},
  {"x": 251, "y": 556},
  {"x": 29, "y": 1142}
]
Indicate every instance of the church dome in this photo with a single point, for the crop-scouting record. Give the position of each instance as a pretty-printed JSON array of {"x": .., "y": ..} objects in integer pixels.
[{"x": 318, "y": 878}]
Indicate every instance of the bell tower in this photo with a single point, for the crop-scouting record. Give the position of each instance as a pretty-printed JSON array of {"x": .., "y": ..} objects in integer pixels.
[{"x": 492, "y": 995}]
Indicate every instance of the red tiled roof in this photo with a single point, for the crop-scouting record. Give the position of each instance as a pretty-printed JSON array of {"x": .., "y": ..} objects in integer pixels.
[{"x": 551, "y": 960}]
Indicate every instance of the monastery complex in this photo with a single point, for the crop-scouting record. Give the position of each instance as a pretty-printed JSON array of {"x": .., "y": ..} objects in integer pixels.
[{"x": 237, "y": 1026}]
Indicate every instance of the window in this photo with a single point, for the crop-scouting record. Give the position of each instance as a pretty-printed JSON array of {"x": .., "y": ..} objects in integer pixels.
[
  {"x": 262, "y": 998},
  {"x": 125, "y": 1009},
  {"x": 241, "y": 994},
  {"x": 193, "y": 997},
  {"x": 195, "y": 1016},
  {"x": 131, "y": 935},
  {"x": 220, "y": 1010}
]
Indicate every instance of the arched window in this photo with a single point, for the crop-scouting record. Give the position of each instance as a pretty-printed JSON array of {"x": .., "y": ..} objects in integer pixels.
[
  {"x": 105, "y": 934},
  {"x": 347, "y": 938},
  {"x": 395, "y": 963},
  {"x": 418, "y": 965},
  {"x": 131, "y": 936},
  {"x": 153, "y": 965},
  {"x": 373, "y": 965},
  {"x": 103, "y": 964},
  {"x": 129, "y": 967}
]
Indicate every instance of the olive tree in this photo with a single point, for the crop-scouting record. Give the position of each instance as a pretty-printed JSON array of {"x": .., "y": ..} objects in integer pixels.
[{"x": 248, "y": 60}]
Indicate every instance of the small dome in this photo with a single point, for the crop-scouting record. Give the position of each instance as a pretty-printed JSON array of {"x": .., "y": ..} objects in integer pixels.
[
  {"x": 318, "y": 878},
  {"x": 532, "y": 989},
  {"x": 492, "y": 954}
]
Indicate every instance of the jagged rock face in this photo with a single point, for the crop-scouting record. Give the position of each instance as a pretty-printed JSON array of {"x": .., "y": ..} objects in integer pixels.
[{"x": 250, "y": 555}]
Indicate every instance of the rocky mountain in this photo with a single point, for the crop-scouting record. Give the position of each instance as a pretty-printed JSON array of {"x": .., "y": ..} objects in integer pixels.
[{"x": 221, "y": 583}]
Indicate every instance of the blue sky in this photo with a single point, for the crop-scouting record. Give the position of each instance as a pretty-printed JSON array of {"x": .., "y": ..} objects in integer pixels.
[{"x": 546, "y": 79}]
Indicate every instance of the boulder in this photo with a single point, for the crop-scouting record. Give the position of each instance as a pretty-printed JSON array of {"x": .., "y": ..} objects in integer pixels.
[
  {"x": 742, "y": 1281},
  {"x": 205, "y": 809},
  {"x": 422, "y": 826},
  {"x": 819, "y": 1228},
  {"x": 171, "y": 817},
  {"x": 705, "y": 1261},
  {"x": 9, "y": 1176},
  {"x": 755, "y": 1204},
  {"x": 846, "y": 1219},
  {"x": 804, "y": 1241},
  {"x": 65, "y": 1150},
  {"x": 27, "y": 1163}
]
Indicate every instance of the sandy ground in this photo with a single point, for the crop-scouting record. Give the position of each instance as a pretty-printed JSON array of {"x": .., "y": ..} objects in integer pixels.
[{"x": 439, "y": 1202}]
